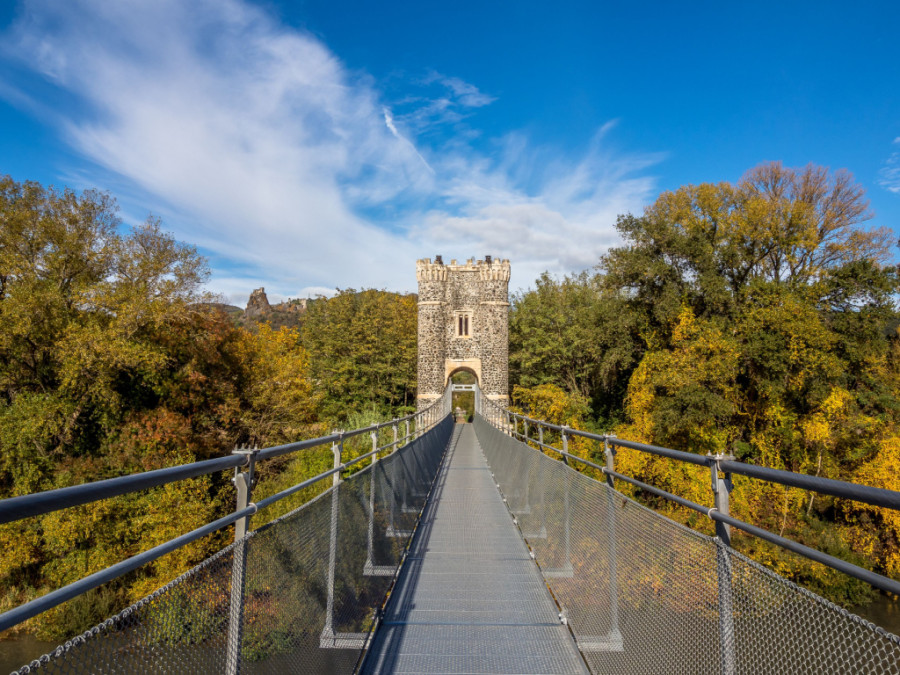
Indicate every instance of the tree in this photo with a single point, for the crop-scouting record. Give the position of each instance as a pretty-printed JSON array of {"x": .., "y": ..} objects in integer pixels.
[
  {"x": 571, "y": 333},
  {"x": 279, "y": 390},
  {"x": 763, "y": 306},
  {"x": 362, "y": 348},
  {"x": 78, "y": 310},
  {"x": 112, "y": 362},
  {"x": 751, "y": 319}
]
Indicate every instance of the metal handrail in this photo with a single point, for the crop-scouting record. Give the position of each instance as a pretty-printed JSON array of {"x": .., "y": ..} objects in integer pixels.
[
  {"x": 39, "y": 605},
  {"x": 18, "y": 508},
  {"x": 39, "y": 503},
  {"x": 718, "y": 463},
  {"x": 836, "y": 488}
]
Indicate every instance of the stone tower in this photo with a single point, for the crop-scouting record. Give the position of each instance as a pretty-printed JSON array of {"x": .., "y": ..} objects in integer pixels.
[{"x": 463, "y": 325}]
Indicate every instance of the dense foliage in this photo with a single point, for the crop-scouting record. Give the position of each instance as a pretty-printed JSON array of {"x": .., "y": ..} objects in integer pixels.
[
  {"x": 113, "y": 362},
  {"x": 362, "y": 347},
  {"x": 756, "y": 319}
]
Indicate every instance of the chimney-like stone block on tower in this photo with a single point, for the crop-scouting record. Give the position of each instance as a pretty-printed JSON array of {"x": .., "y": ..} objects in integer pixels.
[{"x": 463, "y": 325}]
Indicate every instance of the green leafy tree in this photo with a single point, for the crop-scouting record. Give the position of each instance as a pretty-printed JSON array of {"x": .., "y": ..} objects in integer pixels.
[
  {"x": 749, "y": 318},
  {"x": 573, "y": 334},
  {"x": 362, "y": 350}
]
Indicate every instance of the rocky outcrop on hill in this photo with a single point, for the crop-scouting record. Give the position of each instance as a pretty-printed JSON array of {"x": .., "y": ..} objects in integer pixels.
[
  {"x": 258, "y": 304},
  {"x": 282, "y": 314}
]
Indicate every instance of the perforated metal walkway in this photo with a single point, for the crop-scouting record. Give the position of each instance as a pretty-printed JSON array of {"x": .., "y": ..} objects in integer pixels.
[{"x": 469, "y": 598}]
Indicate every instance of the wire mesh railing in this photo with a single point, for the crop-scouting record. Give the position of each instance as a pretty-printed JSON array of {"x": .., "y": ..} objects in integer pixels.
[
  {"x": 302, "y": 593},
  {"x": 644, "y": 594}
]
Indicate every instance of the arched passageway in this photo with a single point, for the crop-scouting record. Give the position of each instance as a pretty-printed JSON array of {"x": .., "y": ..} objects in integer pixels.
[{"x": 464, "y": 399}]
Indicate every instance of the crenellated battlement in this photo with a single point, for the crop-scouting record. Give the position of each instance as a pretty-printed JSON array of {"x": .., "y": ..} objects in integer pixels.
[
  {"x": 430, "y": 271},
  {"x": 497, "y": 270},
  {"x": 487, "y": 269}
]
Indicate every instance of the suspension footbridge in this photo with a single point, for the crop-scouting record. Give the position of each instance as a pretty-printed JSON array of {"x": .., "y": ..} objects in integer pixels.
[
  {"x": 436, "y": 547},
  {"x": 467, "y": 548}
]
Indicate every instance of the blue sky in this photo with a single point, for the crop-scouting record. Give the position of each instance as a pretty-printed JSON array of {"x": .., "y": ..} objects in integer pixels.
[{"x": 310, "y": 145}]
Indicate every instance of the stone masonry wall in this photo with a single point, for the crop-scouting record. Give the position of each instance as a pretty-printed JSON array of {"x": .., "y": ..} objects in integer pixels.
[{"x": 480, "y": 288}]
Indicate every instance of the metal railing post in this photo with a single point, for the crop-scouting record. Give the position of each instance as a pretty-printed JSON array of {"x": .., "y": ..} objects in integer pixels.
[
  {"x": 568, "y": 528},
  {"x": 406, "y": 479},
  {"x": 370, "y": 535},
  {"x": 337, "y": 450},
  {"x": 721, "y": 488},
  {"x": 609, "y": 450},
  {"x": 406, "y": 435},
  {"x": 243, "y": 483},
  {"x": 393, "y": 486},
  {"x": 413, "y": 474},
  {"x": 525, "y": 429},
  {"x": 542, "y": 506}
]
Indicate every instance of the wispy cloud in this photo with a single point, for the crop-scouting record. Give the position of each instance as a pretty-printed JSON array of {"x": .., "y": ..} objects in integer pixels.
[
  {"x": 889, "y": 175},
  {"x": 389, "y": 123},
  {"x": 561, "y": 223},
  {"x": 463, "y": 93},
  {"x": 256, "y": 143},
  {"x": 436, "y": 101}
]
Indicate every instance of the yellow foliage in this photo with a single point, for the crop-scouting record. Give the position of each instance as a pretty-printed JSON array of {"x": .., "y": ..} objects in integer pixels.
[
  {"x": 279, "y": 391},
  {"x": 700, "y": 355},
  {"x": 550, "y": 403},
  {"x": 818, "y": 427},
  {"x": 879, "y": 539}
]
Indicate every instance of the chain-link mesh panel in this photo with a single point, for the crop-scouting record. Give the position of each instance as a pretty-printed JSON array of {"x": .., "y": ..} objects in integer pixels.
[
  {"x": 180, "y": 627},
  {"x": 643, "y": 594},
  {"x": 312, "y": 583}
]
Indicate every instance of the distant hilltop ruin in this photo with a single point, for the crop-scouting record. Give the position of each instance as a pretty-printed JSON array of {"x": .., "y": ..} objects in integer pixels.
[
  {"x": 259, "y": 310},
  {"x": 258, "y": 305}
]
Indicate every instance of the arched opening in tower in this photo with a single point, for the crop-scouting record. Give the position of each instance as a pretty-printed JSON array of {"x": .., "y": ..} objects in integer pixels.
[{"x": 464, "y": 399}]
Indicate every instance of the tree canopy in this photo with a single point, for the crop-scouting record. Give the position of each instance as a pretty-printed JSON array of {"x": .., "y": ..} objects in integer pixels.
[
  {"x": 756, "y": 319},
  {"x": 362, "y": 347},
  {"x": 112, "y": 362}
]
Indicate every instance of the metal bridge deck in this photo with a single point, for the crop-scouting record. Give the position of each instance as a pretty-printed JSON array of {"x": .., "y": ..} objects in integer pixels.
[{"x": 469, "y": 598}]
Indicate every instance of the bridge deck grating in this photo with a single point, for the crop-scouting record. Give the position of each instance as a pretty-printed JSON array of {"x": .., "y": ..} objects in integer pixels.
[{"x": 469, "y": 598}]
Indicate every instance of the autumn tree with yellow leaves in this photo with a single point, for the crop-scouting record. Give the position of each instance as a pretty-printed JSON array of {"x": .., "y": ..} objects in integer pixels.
[
  {"x": 756, "y": 319},
  {"x": 113, "y": 362}
]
